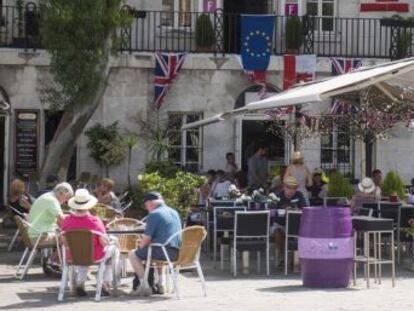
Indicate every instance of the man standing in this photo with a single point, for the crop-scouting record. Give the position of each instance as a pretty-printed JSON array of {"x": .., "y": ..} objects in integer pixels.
[
  {"x": 162, "y": 222},
  {"x": 258, "y": 168},
  {"x": 231, "y": 166}
]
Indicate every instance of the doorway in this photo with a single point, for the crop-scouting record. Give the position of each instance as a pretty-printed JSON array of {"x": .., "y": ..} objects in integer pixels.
[
  {"x": 52, "y": 121},
  {"x": 232, "y": 10},
  {"x": 255, "y": 130}
]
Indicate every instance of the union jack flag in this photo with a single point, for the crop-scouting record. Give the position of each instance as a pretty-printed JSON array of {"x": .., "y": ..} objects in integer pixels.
[
  {"x": 341, "y": 66},
  {"x": 166, "y": 69}
]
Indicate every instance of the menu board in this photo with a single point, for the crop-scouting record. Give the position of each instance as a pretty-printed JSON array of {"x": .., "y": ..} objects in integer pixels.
[{"x": 27, "y": 142}]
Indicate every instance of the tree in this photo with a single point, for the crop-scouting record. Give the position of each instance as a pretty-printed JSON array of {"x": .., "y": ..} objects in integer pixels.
[
  {"x": 130, "y": 141},
  {"x": 80, "y": 37},
  {"x": 367, "y": 115},
  {"x": 106, "y": 145}
]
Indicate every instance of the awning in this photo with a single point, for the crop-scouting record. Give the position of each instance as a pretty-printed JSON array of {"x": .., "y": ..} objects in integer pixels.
[{"x": 321, "y": 90}]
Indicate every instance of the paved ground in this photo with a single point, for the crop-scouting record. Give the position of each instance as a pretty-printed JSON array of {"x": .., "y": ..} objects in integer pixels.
[{"x": 248, "y": 292}]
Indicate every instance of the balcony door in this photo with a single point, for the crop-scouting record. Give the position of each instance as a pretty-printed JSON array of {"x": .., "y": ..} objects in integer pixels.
[{"x": 232, "y": 11}]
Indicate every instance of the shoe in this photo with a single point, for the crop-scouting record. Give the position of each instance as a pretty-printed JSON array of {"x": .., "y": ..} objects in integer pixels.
[
  {"x": 143, "y": 291},
  {"x": 105, "y": 291},
  {"x": 80, "y": 291},
  {"x": 135, "y": 283},
  {"x": 161, "y": 289}
]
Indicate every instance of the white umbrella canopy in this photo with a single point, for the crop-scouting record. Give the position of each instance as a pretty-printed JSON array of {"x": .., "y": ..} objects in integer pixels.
[{"x": 346, "y": 85}]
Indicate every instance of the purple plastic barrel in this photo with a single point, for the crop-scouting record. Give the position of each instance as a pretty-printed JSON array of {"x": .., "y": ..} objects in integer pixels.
[{"x": 326, "y": 247}]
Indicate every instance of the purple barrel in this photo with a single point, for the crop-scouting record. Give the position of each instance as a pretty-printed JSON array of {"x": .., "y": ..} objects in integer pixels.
[{"x": 326, "y": 247}]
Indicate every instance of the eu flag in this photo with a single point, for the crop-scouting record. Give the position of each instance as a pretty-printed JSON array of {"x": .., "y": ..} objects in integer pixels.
[{"x": 256, "y": 41}]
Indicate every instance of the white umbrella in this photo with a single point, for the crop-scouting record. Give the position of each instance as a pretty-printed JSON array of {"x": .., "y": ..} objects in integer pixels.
[{"x": 323, "y": 89}]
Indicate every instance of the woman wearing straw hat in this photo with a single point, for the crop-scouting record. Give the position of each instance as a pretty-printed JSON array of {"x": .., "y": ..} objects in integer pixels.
[
  {"x": 81, "y": 203},
  {"x": 301, "y": 172},
  {"x": 366, "y": 193}
]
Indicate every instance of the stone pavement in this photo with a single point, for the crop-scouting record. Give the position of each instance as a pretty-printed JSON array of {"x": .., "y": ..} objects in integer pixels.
[{"x": 247, "y": 292}]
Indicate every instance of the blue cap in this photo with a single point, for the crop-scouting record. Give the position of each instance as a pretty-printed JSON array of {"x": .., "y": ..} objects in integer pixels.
[{"x": 151, "y": 196}]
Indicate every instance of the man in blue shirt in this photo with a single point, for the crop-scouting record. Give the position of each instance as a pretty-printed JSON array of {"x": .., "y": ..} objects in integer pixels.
[{"x": 162, "y": 222}]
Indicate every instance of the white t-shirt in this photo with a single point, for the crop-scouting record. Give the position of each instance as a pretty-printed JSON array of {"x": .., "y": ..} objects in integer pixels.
[{"x": 221, "y": 189}]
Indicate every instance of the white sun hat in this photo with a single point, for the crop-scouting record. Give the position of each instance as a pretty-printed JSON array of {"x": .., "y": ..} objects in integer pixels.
[
  {"x": 366, "y": 185},
  {"x": 82, "y": 200}
]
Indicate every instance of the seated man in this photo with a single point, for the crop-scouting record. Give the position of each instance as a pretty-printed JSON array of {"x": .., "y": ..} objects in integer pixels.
[
  {"x": 221, "y": 188},
  {"x": 162, "y": 222},
  {"x": 289, "y": 198},
  {"x": 46, "y": 213},
  {"x": 81, "y": 203},
  {"x": 318, "y": 189}
]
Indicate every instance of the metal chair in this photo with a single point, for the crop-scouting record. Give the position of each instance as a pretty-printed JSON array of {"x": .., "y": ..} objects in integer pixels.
[
  {"x": 123, "y": 196},
  {"x": 125, "y": 207},
  {"x": 257, "y": 206},
  {"x": 80, "y": 242},
  {"x": 251, "y": 233},
  {"x": 31, "y": 245},
  {"x": 292, "y": 232},
  {"x": 334, "y": 201},
  {"x": 374, "y": 206},
  {"x": 362, "y": 211},
  {"x": 404, "y": 214},
  {"x": 223, "y": 222},
  {"x": 188, "y": 256},
  {"x": 16, "y": 234}
]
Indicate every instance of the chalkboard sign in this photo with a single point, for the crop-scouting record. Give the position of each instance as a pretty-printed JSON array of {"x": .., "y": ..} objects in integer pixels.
[{"x": 27, "y": 142}]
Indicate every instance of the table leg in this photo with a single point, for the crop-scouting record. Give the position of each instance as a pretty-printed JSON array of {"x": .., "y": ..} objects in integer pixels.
[{"x": 245, "y": 264}]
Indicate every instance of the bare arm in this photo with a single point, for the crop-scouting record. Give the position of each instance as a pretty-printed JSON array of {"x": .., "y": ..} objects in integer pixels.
[{"x": 146, "y": 240}]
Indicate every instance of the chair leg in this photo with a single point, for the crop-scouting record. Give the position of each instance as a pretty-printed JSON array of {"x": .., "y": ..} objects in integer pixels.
[
  {"x": 267, "y": 260},
  {"x": 201, "y": 276},
  {"x": 234, "y": 261},
  {"x": 221, "y": 257},
  {"x": 21, "y": 261},
  {"x": 286, "y": 259},
  {"x": 72, "y": 279},
  {"x": 63, "y": 282},
  {"x": 174, "y": 275},
  {"x": 214, "y": 248},
  {"x": 29, "y": 261},
  {"x": 258, "y": 262},
  {"x": 99, "y": 282},
  {"x": 13, "y": 240}
]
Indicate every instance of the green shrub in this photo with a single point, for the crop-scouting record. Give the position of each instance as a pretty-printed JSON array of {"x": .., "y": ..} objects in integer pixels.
[
  {"x": 393, "y": 183},
  {"x": 205, "y": 36},
  {"x": 339, "y": 186},
  {"x": 166, "y": 169},
  {"x": 179, "y": 191},
  {"x": 294, "y": 33}
]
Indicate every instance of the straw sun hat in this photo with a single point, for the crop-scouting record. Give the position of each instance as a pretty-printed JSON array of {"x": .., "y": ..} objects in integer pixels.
[
  {"x": 82, "y": 200},
  {"x": 366, "y": 185}
]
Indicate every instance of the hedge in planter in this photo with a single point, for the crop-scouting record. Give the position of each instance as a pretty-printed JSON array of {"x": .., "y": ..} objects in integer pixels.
[
  {"x": 393, "y": 183},
  {"x": 294, "y": 33},
  {"x": 339, "y": 186},
  {"x": 205, "y": 36}
]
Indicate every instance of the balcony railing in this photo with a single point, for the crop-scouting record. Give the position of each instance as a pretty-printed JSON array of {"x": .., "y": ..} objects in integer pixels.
[{"x": 153, "y": 31}]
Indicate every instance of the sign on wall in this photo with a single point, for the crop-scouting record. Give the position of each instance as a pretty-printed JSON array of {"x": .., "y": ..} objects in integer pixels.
[
  {"x": 27, "y": 142},
  {"x": 209, "y": 5}
]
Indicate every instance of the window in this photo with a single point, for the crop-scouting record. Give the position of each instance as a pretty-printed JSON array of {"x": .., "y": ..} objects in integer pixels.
[
  {"x": 337, "y": 152},
  {"x": 185, "y": 146},
  {"x": 176, "y": 13},
  {"x": 324, "y": 9}
]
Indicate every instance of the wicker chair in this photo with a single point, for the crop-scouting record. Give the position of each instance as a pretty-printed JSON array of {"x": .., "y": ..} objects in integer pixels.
[
  {"x": 105, "y": 212},
  {"x": 81, "y": 246},
  {"x": 127, "y": 241},
  {"x": 23, "y": 227},
  {"x": 188, "y": 256}
]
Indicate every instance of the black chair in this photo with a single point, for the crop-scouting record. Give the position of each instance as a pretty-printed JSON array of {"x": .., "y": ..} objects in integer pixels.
[
  {"x": 389, "y": 211},
  {"x": 257, "y": 206},
  {"x": 405, "y": 213},
  {"x": 251, "y": 233},
  {"x": 374, "y": 206},
  {"x": 334, "y": 201},
  {"x": 223, "y": 223},
  {"x": 362, "y": 211},
  {"x": 291, "y": 233}
]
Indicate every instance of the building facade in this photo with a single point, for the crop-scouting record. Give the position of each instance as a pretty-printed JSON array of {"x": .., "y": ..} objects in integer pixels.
[{"x": 211, "y": 81}]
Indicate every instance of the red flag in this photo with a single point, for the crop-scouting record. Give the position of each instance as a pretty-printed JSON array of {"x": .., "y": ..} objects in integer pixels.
[{"x": 298, "y": 68}]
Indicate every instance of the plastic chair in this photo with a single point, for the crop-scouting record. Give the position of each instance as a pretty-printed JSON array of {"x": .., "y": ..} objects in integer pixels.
[
  {"x": 188, "y": 256},
  {"x": 16, "y": 234},
  {"x": 32, "y": 246},
  {"x": 251, "y": 233},
  {"x": 292, "y": 232},
  {"x": 81, "y": 246},
  {"x": 127, "y": 241}
]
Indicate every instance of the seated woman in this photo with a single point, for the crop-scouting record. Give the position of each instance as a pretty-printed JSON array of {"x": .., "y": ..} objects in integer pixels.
[
  {"x": 81, "y": 203},
  {"x": 19, "y": 200},
  {"x": 240, "y": 180},
  {"x": 106, "y": 195},
  {"x": 318, "y": 189},
  {"x": 366, "y": 194}
]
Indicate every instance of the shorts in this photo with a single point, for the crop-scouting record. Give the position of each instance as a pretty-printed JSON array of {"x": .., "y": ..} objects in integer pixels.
[{"x": 157, "y": 253}]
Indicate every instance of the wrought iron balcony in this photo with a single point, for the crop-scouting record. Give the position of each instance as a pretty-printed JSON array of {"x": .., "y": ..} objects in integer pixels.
[{"x": 219, "y": 33}]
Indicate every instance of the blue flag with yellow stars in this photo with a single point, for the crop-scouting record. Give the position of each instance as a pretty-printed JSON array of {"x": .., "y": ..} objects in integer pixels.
[{"x": 256, "y": 41}]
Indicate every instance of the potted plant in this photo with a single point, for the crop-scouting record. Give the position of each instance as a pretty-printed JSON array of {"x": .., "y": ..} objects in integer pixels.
[
  {"x": 339, "y": 186},
  {"x": 393, "y": 186},
  {"x": 404, "y": 43},
  {"x": 205, "y": 36},
  {"x": 294, "y": 34}
]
